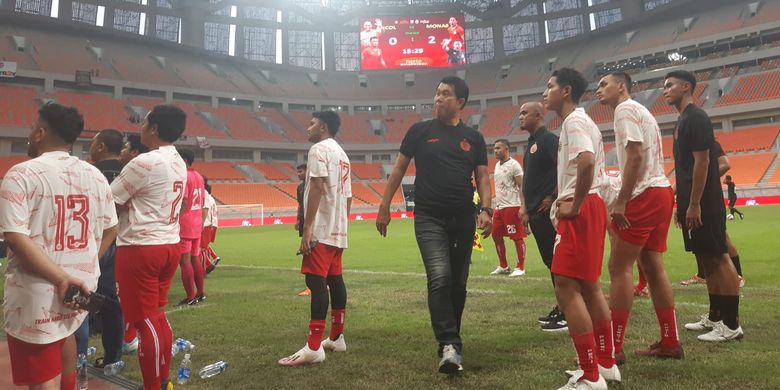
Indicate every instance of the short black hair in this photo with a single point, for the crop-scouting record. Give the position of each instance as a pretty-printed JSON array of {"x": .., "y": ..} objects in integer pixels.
[
  {"x": 302, "y": 166},
  {"x": 683, "y": 75},
  {"x": 625, "y": 77},
  {"x": 187, "y": 155},
  {"x": 206, "y": 184},
  {"x": 574, "y": 79},
  {"x": 66, "y": 122},
  {"x": 135, "y": 143},
  {"x": 330, "y": 118},
  {"x": 113, "y": 140},
  {"x": 170, "y": 120},
  {"x": 460, "y": 87},
  {"x": 728, "y": 177},
  {"x": 503, "y": 141}
]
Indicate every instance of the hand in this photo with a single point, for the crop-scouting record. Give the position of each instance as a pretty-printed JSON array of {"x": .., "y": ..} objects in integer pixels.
[
  {"x": 545, "y": 205},
  {"x": 485, "y": 223},
  {"x": 382, "y": 220},
  {"x": 297, "y": 225},
  {"x": 693, "y": 217},
  {"x": 62, "y": 288},
  {"x": 676, "y": 221},
  {"x": 306, "y": 242},
  {"x": 522, "y": 215},
  {"x": 619, "y": 215},
  {"x": 566, "y": 209}
]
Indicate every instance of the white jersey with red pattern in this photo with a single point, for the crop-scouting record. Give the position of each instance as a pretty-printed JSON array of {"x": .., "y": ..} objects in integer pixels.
[
  {"x": 151, "y": 186},
  {"x": 635, "y": 123},
  {"x": 579, "y": 134},
  {"x": 63, "y": 204},
  {"x": 211, "y": 217},
  {"x": 507, "y": 193},
  {"x": 327, "y": 159}
]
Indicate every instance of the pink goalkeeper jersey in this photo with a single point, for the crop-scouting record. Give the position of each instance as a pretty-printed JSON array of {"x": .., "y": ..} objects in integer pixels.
[
  {"x": 63, "y": 204},
  {"x": 191, "y": 220}
]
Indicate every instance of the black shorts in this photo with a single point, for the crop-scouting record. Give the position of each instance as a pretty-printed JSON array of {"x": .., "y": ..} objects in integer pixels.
[{"x": 710, "y": 239}]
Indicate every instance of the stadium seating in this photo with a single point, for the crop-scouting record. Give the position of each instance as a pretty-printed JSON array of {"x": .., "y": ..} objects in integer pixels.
[
  {"x": 367, "y": 171},
  {"x": 99, "y": 111},
  {"x": 243, "y": 124},
  {"x": 601, "y": 113},
  {"x": 769, "y": 11},
  {"x": 9, "y": 161},
  {"x": 364, "y": 194},
  {"x": 775, "y": 179},
  {"x": 753, "y": 88},
  {"x": 218, "y": 171},
  {"x": 269, "y": 171},
  {"x": 667, "y": 143},
  {"x": 398, "y": 197},
  {"x": 196, "y": 125},
  {"x": 498, "y": 121},
  {"x": 398, "y": 123},
  {"x": 748, "y": 140},
  {"x": 748, "y": 169},
  {"x": 668, "y": 167},
  {"x": 198, "y": 75},
  {"x": 290, "y": 189},
  {"x": 661, "y": 108},
  {"x": 19, "y": 108},
  {"x": 265, "y": 194},
  {"x": 291, "y": 130}
]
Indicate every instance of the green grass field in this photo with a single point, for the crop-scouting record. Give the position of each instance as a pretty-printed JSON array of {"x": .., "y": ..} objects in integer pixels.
[{"x": 253, "y": 317}]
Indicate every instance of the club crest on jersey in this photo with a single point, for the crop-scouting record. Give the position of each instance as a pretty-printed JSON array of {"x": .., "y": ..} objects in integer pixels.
[
  {"x": 465, "y": 145},
  {"x": 533, "y": 148}
]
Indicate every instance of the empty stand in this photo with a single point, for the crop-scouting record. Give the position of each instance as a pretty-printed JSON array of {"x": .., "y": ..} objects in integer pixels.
[
  {"x": 365, "y": 194},
  {"x": 398, "y": 197},
  {"x": 747, "y": 170},
  {"x": 9, "y": 161},
  {"x": 99, "y": 111},
  {"x": 748, "y": 140},
  {"x": 218, "y": 170},
  {"x": 367, "y": 171},
  {"x": 243, "y": 124},
  {"x": 601, "y": 113},
  {"x": 398, "y": 123},
  {"x": 661, "y": 108},
  {"x": 265, "y": 194},
  {"x": 19, "y": 108},
  {"x": 753, "y": 88},
  {"x": 269, "y": 171},
  {"x": 498, "y": 120}
]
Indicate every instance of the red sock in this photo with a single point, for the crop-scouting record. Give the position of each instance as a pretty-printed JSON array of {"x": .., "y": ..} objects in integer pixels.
[
  {"x": 619, "y": 325},
  {"x": 585, "y": 345},
  {"x": 316, "y": 330},
  {"x": 642, "y": 280},
  {"x": 337, "y": 323},
  {"x": 668, "y": 323},
  {"x": 501, "y": 251},
  {"x": 149, "y": 352},
  {"x": 520, "y": 247},
  {"x": 130, "y": 333},
  {"x": 197, "y": 267},
  {"x": 68, "y": 381},
  {"x": 605, "y": 348},
  {"x": 166, "y": 340},
  {"x": 188, "y": 280}
]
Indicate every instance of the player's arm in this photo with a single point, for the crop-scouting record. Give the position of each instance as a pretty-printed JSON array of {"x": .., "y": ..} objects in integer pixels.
[
  {"x": 723, "y": 165},
  {"x": 521, "y": 211},
  {"x": 482, "y": 178},
  {"x": 586, "y": 166},
  {"x": 399, "y": 170},
  {"x": 635, "y": 157},
  {"x": 109, "y": 235},
  {"x": 349, "y": 205},
  {"x": 316, "y": 190},
  {"x": 204, "y": 213},
  {"x": 701, "y": 161}
]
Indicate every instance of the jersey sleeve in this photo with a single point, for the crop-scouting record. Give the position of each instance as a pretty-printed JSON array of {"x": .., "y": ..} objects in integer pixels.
[
  {"x": 108, "y": 208},
  {"x": 14, "y": 207},
  {"x": 134, "y": 177},
  {"x": 317, "y": 164},
  {"x": 579, "y": 140},
  {"x": 700, "y": 133},
  {"x": 518, "y": 170},
  {"x": 481, "y": 156},
  {"x": 628, "y": 121},
  {"x": 410, "y": 141}
]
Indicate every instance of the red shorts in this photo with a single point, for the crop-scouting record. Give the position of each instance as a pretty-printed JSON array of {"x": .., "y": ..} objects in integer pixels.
[
  {"x": 324, "y": 260},
  {"x": 650, "y": 215},
  {"x": 189, "y": 245},
  {"x": 506, "y": 223},
  {"x": 143, "y": 277},
  {"x": 33, "y": 364},
  {"x": 208, "y": 236},
  {"x": 579, "y": 246}
]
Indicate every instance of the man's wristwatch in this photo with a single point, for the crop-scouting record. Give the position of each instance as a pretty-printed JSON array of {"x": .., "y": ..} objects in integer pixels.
[{"x": 486, "y": 210}]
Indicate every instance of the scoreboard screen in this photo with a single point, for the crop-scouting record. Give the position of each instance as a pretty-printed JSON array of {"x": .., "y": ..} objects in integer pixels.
[{"x": 412, "y": 42}]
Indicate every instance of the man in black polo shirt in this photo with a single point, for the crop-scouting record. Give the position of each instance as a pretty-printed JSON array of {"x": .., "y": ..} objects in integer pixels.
[
  {"x": 539, "y": 189},
  {"x": 300, "y": 170},
  {"x": 447, "y": 153},
  {"x": 700, "y": 208}
]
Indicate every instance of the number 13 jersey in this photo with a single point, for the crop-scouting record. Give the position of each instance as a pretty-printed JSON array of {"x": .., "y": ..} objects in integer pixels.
[{"x": 152, "y": 187}]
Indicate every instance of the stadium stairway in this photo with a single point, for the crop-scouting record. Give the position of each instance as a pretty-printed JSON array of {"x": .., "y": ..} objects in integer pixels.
[
  {"x": 253, "y": 174},
  {"x": 771, "y": 173}
]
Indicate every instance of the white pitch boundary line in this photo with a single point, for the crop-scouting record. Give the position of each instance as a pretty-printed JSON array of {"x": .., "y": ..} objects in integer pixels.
[{"x": 188, "y": 307}]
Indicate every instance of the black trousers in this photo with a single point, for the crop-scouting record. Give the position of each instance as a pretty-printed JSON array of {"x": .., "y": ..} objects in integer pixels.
[
  {"x": 110, "y": 314},
  {"x": 445, "y": 244},
  {"x": 544, "y": 234}
]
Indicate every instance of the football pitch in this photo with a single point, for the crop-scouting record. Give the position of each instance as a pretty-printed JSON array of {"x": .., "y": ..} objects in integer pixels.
[{"x": 252, "y": 317}]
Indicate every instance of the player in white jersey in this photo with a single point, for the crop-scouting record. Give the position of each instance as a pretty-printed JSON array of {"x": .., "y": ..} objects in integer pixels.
[
  {"x": 327, "y": 199},
  {"x": 641, "y": 215},
  {"x": 57, "y": 216},
  {"x": 581, "y": 221},
  {"x": 210, "y": 224},
  {"x": 148, "y": 194},
  {"x": 509, "y": 216}
]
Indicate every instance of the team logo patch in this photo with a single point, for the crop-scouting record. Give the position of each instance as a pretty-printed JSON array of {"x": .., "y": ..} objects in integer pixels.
[
  {"x": 533, "y": 148},
  {"x": 465, "y": 145}
]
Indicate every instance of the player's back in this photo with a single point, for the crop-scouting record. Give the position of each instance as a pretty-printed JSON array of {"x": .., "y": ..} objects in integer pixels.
[
  {"x": 578, "y": 133},
  {"x": 192, "y": 213},
  {"x": 634, "y": 122}
]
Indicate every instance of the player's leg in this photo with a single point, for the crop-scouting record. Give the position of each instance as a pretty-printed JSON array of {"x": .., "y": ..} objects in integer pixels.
[
  {"x": 169, "y": 257},
  {"x": 640, "y": 290},
  {"x": 198, "y": 270},
  {"x": 621, "y": 295},
  {"x": 544, "y": 235},
  {"x": 462, "y": 238},
  {"x": 663, "y": 302},
  {"x": 187, "y": 272},
  {"x": 498, "y": 233},
  {"x": 569, "y": 295},
  {"x": 723, "y": 286},
  {"x": 338, "y": 304},
  {"x": 734, "y": 255},
  {"x": 516, "y": 232}
]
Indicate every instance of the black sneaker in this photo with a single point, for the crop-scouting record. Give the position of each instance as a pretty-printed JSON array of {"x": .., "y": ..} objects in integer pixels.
[
  {"x": 200, "y": 298},
  {"x": 187, "y": 302},
  {"x": 213, "y": 266},
  {"x": 559, "y": 324},
  {"x": 553, "y": 314}
]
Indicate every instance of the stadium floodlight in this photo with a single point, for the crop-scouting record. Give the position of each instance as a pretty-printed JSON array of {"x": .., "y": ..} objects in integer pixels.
[{"x": 676, "y": 56}]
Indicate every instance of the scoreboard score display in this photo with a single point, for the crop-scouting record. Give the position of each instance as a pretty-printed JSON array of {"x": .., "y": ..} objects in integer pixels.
[{"x": 412, "y": 42}]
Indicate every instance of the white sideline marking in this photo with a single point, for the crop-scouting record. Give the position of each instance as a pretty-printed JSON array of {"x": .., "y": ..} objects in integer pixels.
[{"x": 187, "y": 307}]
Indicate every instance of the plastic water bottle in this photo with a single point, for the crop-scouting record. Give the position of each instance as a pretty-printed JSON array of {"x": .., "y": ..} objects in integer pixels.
[
  {"x": 184, "y": 370},
  {"x": 213, "y": 369},
  {"x": 113, "y": 369},
  {"x": 181, "y": 345},
  {"x": 81, "y": 375}
]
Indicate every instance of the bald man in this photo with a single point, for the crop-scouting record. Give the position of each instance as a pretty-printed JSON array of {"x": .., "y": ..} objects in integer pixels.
[{"x": 539, "y": 189}]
